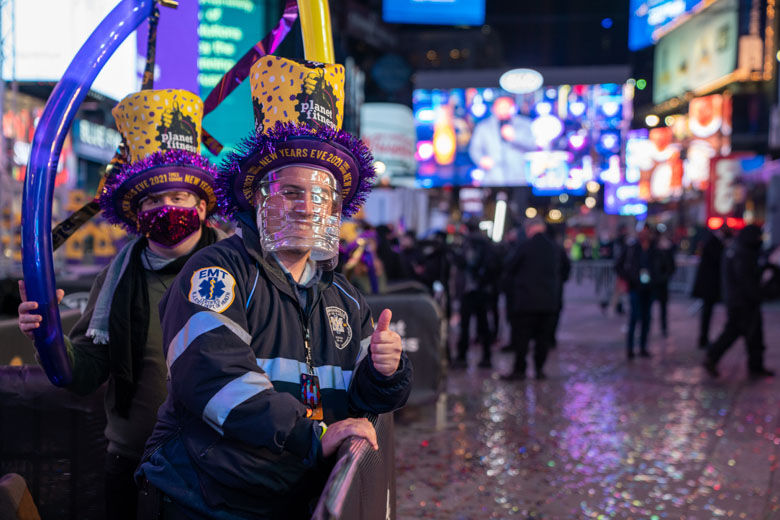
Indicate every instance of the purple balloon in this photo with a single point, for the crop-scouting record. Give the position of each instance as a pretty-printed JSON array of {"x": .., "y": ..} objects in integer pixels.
[{"x": 52, "y": 129}]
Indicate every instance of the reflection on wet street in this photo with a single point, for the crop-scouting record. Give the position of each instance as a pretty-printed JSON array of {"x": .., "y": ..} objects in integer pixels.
[{"x": 602, "y": 437}]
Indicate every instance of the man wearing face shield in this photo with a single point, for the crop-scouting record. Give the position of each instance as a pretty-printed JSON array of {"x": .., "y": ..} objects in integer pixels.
[
  {"x": 163, "y": 195},
  {"x": 273, "y": 357}
]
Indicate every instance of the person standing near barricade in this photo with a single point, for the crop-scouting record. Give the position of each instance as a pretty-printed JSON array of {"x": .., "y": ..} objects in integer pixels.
[
  {"x": 272, "y": 357},
  {"x": 164, "y": 194},
  {"x": 619, "y": 245},
  {"x": 741, "y": 283},
  {"x": 664, "y": 270},
  {"x": 534, "y": 273},
  {"x": 637, "y": 266},
  {"x": 475, "y": 262},
  {"x": 564, "y": 266},
  {"x": 706, "y": 284}
]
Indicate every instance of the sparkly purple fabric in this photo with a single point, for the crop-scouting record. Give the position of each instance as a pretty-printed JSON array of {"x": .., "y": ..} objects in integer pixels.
[
  {"x": 261, "y": 143},
  {"x": 115, "y": 187},
  {"x": 168, "y": 225}
]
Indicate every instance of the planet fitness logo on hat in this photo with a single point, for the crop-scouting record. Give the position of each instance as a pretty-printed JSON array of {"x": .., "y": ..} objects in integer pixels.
[
  {"x": 177, "y": 131},
  {"x": 317, "y": 101}
]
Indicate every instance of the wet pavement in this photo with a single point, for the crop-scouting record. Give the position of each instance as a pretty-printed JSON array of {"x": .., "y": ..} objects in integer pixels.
[{"x": 602, "y": 437}]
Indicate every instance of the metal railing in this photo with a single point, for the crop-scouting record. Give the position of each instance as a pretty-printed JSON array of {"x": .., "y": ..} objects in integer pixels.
[{"x": 602, "y": 274}]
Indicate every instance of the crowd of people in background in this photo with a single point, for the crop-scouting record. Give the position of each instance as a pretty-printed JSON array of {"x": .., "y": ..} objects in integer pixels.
[{"x": 467, "y": 272}]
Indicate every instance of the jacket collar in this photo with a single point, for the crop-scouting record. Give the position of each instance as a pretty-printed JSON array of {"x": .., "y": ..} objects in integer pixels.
[{"x": 251, "y": 240}]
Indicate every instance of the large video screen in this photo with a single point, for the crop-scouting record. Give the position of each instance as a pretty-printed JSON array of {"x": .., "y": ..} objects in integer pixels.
[
  {"x": 434, "y": 12},
  {"x": 676, "y": 157},
  {"x": 648, "y": 20},
  {"x": 555, "y": 139}
]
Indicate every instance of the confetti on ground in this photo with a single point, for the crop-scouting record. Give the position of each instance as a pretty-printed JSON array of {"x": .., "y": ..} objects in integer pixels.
[{"x": 601, "y": 438}]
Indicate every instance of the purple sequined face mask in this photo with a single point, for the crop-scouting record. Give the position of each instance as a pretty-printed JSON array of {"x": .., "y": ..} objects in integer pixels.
[{"x": 168, "y": 225}]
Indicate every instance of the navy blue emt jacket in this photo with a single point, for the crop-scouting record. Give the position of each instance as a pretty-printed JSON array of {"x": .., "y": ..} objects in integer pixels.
[{"x": 232, "y": 439}]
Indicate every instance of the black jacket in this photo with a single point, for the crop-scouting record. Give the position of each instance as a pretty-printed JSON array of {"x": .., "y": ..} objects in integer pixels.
[
  {"x": 706, "y": 284},
  {"x": 631, "y": 266},
  {"x": 740, "y": 270},
  {"x": 235, "y": 336},
  {"x": 534, "y": 273}
]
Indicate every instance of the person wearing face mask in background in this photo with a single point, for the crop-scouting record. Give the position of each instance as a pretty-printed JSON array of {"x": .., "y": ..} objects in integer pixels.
[{"x": 163, "y": 196}]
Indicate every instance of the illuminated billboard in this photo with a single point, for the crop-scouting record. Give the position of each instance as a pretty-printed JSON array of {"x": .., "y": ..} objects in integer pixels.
[
  {"x": 699, "y": 52},
  {"x": 554, "y": 139},
  {"x": 648, "y": 20},
  {"x": 621, "y": 193},
  {"x": 677, "y": 157},
  {"x": 449, "y": 12},
  {"x": 49, "y": 33}
]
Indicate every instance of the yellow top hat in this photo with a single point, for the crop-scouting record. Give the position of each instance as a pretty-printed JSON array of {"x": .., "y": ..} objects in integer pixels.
[
  {"x": 161, "y": 131},
  {"x": 302, "y": 93},
  {"x": 159, "y": 120}
]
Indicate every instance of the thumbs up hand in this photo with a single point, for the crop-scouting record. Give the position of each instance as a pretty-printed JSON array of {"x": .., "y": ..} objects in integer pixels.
[{"x": 385, "y": 346}]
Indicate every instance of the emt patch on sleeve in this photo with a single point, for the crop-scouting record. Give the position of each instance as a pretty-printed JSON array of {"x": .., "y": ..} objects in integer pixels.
[{"x": 213, "y": 288}]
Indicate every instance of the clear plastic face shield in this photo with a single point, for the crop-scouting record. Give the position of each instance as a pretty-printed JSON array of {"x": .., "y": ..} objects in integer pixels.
[{"x": 299, "y": 209}]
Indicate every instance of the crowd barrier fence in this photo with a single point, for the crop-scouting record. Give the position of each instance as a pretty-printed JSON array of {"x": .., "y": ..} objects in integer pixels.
[{"x": 603, "y": 276}]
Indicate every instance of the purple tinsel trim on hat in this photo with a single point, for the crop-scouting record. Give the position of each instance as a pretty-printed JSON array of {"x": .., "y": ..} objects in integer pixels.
[
  {"x": 131, "y": 171},
  {"x": 265, "y": 143}
]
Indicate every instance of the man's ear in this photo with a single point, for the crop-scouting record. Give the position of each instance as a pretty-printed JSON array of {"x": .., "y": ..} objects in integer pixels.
[{"x": 201, "y": 209}]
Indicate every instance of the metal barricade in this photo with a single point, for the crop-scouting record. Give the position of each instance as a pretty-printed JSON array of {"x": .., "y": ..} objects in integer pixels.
[
  {"x": 603, "y": 275},
  {"x": 362, "y": 483}
]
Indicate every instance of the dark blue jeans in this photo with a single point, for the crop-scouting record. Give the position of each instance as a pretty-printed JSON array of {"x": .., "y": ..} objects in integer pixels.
[{"x": 641, "y": 301}]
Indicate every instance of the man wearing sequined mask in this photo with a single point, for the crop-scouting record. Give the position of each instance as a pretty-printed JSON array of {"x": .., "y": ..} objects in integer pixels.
[
  {"x": 162, "y": 195},
  {"x": 274, "y": 359}
]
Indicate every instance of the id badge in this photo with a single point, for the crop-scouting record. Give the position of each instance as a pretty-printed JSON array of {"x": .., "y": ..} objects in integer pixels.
[{"x": 310, "y": 396}]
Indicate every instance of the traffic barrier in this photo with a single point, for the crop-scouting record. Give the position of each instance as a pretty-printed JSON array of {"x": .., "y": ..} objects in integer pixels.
[
  {"x": 602, "y": 274},
  {"x": 362, "y": 483}
]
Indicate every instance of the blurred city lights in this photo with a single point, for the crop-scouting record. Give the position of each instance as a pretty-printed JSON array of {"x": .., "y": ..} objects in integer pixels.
[
  {"x": 641, "y": 84},
  {"x": 380, "y": 167},
  {"x": 479, "y": 109},
  {"x": 530, "y": 212},
  {"x": 577, "y": 108},
  {"x": 593, "y": 187},
  {"x": 499, "y": 220},
  {"x": 555, "y": 214},
  {"x": 426, "y": 115},
  {"x": 652, "y": 120},
  {"x": 577, "y": 141},
  {"x": 669, "y": 120},
  {"x": 545, "y": 129},
  {"x": 544, "y": 108},
  {"x": 714, "y": 222},
  {"x": 609, "y": 140},
  {"x": 606, "y": 23},
  {"x": 521, "y": 81},
  {"x": 425, "y": 150},
  {"x": 590, "y": 202},
  {"x": 563, "y": 197},
  {"x": 610, "y": 108}
]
